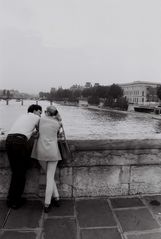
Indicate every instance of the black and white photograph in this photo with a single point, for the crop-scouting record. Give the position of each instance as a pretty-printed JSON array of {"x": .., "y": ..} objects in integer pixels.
[{"x": 80, "y": 119}]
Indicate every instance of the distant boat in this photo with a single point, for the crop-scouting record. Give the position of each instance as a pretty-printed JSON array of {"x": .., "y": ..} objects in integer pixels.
[
  {"x": 144, "y": 109},
  {"x": 83, "y": 103},
  {"x": 157, "y": 113},
  {"x": 157, "y": 117},
  {"x": 68, "y": 103}
]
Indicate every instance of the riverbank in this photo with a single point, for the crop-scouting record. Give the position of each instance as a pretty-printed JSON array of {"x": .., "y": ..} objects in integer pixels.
[
  {"x": 150, "y": 115},
  {"x": 92, "y": 107}
]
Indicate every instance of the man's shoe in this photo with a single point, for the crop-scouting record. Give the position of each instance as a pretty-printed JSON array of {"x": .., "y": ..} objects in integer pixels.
[
  {"x": 15, "y": 206},
  {"x": 12, "y": 204},
  {"x": 18, "y": 204},
  {"x": 9, "y": 203}
]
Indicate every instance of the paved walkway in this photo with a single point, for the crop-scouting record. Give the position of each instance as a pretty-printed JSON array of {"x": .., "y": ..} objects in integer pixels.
[{"x": 107, "y": 218}]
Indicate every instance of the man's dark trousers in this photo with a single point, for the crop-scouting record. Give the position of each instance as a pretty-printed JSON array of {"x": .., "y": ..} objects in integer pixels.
[{"x": 18, "y": 155}]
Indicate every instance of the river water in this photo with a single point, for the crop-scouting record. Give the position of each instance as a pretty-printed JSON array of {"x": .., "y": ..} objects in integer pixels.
[{"x": 84, "y": 123}]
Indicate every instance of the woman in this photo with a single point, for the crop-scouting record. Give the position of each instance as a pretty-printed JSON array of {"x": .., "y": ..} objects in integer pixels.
[{"x": 46, "y": 150}]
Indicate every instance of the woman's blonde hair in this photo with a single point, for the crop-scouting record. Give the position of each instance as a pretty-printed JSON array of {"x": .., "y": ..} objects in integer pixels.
[{"x": 51, "y": 110}]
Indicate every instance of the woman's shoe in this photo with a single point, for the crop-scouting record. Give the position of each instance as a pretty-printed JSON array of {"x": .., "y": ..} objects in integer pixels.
[{"x": 46, "y": 209}]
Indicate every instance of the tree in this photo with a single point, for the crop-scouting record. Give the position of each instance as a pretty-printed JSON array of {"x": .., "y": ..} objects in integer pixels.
[
  {"x": 66, "y": 93},
  {"x": 4, "y": 92},
  {"x": 87, "y": 92},
  {"x": 115, "y": 91},
  {"x": 159, "y": 92},
  {"x": 102, "y": 91},
  {"x": 93, "y": 100},
  {"x": 122, "y": 103},
  {"x": 77, "y": 93},
  {"x": 8, "y": 94}
]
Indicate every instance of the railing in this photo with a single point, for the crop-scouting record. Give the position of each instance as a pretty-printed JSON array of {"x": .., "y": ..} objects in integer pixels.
[{"x": 98, "y": 168}]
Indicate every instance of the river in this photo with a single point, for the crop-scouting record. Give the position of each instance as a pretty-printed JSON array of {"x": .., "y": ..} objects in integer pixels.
[{"x": 84, "y": 123}]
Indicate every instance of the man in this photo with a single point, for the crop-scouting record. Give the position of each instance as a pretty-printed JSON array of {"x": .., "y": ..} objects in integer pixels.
[{"x": 18, "y": 153}]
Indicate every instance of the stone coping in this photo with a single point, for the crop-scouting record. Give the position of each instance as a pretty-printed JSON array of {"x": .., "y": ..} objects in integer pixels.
[{"x": 106, "y": 144}]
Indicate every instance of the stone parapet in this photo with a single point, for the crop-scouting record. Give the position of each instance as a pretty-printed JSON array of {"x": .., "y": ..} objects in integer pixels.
[{"x": 97, "y": 168}]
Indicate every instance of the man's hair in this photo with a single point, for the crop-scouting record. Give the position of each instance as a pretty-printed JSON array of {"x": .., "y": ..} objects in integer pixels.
[{"x": 33, "y": 107}]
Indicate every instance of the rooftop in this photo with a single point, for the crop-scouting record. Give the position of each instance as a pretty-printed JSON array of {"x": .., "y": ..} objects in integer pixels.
[{"x": 141, "y": 82}]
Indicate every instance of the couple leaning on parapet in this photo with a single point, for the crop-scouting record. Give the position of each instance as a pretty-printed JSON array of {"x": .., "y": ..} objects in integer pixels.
[{"x": 45, "y": 149}]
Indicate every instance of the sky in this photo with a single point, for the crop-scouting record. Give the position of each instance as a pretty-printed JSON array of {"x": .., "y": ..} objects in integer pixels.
[{"x": 54, "y": 43}]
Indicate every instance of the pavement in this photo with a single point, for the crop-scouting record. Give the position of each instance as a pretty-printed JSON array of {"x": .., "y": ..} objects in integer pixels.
[{"x": 91, "y": 218}]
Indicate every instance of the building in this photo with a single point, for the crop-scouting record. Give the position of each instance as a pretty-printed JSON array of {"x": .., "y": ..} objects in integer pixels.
[
  {"x": 140, "y": 92},
  {"x": 96, "y": 84},
  {"x": 76, "y": 87},
  {"x": 88, "y": 85}
]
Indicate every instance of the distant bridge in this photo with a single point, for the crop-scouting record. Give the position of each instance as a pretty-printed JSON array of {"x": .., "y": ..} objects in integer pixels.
[{"x": 16, "y": 98}]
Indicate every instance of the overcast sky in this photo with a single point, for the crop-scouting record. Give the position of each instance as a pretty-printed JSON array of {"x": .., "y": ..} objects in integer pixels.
[{"x": 52, "y": 43}]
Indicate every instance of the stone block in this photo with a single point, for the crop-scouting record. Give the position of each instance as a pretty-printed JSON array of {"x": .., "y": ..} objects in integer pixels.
[
  {"x": 106, "y": 157},
  {"x": 94, "y": 213},
  {"x": 41, "y": 191},
  {"x": 32, "y": 181},
  {"x": 42, "y": 179},
  {"x": 60, "y": 228},
  {"x": 18, "y": 235},
  {"x": 145, "y": 179},
  {"x": 154, "y": 235},
  {"x": 28, "y": 216},
  {"x": 65, "y": 184},
  {"x": 4, "y": 211},
  {"x": 5, "y": 177},
  {"x": 126, "y": 202},
  {"x": 117, "y": 157},
  {"x": 102, "y": 233},
  {"x": 98, "y": 181},
  {"x": 125, "y": 174},
  {"x": 2, "y": 143},
  {"x": 155, "y": 209},
  {"x": 4, "y": 163},
  {"x": 136, "y": 220}
]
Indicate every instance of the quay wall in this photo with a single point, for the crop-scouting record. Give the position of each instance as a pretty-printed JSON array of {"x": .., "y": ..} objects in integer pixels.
[{"x": 97, "y": 168}]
